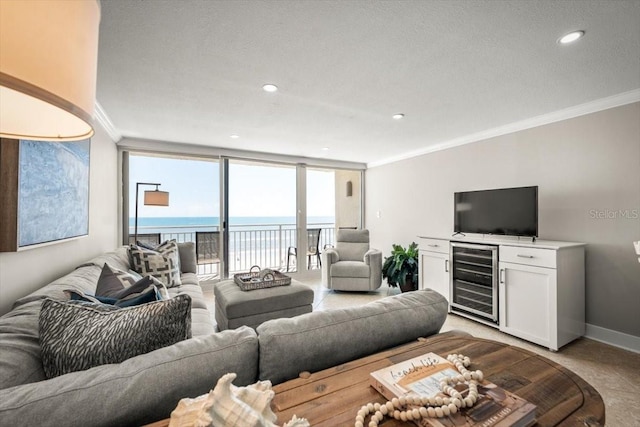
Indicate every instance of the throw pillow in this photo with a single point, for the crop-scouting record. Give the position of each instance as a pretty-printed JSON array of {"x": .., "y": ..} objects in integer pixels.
[
  {"x": 152, "y": 294},
  {"x": 112, "y": 280},
  {"x": 111, "y": 287},
  {"x": 162, "y": 263},
  {"x": 113, "y": 290},
  {"x": 135, "y": 275},
  {"x": 145, "y": 245},
  {"x": 77, "y": 335}
]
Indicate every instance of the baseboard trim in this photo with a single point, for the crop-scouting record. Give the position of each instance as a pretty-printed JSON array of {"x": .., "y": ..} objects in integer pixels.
[{"x": 614, "y": 338}]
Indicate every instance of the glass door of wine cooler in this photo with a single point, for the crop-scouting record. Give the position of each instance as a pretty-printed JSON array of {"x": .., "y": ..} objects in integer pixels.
[{"x": 474, "y": 284}]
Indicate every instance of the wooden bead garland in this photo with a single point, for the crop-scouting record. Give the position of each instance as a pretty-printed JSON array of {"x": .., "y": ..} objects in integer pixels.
[{"x": 427, "y": 407}]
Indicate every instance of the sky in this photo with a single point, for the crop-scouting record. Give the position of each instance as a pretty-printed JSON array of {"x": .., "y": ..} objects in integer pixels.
[{"x": 254, "y": 189}]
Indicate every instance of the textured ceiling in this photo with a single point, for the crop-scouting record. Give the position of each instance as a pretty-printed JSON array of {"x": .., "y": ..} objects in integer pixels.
[{"x": 192, "y": 71}]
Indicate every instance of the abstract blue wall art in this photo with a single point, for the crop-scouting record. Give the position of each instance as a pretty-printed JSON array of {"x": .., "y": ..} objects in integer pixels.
[{"x": 53, "y": 191}]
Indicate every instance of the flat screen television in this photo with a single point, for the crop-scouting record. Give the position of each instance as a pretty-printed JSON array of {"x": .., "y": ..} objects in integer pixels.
[{"x": 504, "y": 211}]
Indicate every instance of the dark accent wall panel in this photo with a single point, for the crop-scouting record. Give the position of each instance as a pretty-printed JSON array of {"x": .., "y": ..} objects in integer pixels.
[{"x": 9, "y": 160}]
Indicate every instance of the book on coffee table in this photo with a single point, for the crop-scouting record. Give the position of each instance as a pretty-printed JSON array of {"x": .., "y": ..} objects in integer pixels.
[{"x": 421, "y": 376}]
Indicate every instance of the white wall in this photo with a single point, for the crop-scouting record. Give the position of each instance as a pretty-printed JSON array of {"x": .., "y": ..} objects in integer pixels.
[
  {"x": 584, "y": 167},
  {"x": 23, "y": 272},
  {"x": 347, "y": 208}
]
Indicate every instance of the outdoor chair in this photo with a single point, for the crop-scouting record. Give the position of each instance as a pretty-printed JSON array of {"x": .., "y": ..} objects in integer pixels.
[
  {"x": 352, "y": 265},
  {"x": 207, "y": 247},
  {"x": 313, "y": 242}
]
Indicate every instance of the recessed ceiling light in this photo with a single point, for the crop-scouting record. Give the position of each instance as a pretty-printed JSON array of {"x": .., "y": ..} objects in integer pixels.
[
  {"x": 571, "y": 37},
  {"x": 398, "y": 116},
  {"x": 234, "y": 136},
  {"x": 325, "y": 148},
  {"x": 270, "y": 88}
]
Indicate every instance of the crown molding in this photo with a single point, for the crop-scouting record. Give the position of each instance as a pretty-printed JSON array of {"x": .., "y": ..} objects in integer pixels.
[
  {"x": 101, "y": 117},
  {"x": 544, "y": 119},
  {"x": 141, "y": 145}
]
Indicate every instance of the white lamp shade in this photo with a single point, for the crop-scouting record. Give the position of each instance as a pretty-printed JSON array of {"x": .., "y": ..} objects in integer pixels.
[
  {"x": 156, "y": 198},
  {"x": 48, "y": 64}
]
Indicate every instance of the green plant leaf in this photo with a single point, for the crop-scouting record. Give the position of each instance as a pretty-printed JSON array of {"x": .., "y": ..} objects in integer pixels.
[{"x": 401, "y": 264}]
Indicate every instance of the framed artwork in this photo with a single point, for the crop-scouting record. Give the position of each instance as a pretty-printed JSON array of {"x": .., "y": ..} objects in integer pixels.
[{"x": 46, "y": 191}]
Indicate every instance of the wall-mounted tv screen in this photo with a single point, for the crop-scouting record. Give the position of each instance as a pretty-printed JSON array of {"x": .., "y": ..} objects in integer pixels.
[{"x": 505, "y": 211}]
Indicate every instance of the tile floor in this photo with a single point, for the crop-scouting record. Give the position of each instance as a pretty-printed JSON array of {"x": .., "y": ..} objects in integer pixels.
[{"x": 614, "y": 372}]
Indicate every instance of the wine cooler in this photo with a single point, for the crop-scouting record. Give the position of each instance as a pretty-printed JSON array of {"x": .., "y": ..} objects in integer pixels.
[{"x": 474, "y": 281}]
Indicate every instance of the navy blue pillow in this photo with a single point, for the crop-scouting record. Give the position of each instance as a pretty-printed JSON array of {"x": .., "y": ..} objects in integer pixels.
[{"x": 145, "y": 297}]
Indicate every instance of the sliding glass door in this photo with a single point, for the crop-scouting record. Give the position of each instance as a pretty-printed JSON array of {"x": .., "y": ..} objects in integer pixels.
[
  {"x": 191, "y": 213},
  {"x": 321, "y": 213},
  {"x": 239, "y": 213},
  {"x": 262, "y": 215}
]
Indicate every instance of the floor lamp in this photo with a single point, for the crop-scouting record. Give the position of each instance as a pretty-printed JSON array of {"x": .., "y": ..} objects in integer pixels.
[{"x": 151, "y": 198}]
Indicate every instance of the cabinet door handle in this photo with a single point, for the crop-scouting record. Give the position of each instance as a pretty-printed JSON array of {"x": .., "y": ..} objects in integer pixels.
[
  {"x": 433, "y": 246},
  {"x": 525, "y": 256},
  {"x": 446, "y": 265},
  {"x": 502, "y": 275}
]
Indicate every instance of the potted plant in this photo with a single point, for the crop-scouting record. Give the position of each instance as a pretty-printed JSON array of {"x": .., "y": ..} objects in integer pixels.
[{"x": 401, "y": 268}]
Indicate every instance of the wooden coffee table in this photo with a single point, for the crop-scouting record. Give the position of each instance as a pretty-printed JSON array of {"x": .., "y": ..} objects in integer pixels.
[{"x": 332, "y": 397}]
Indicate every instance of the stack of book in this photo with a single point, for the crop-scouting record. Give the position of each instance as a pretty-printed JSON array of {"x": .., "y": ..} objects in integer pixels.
[{"x": 421, "y": 376}]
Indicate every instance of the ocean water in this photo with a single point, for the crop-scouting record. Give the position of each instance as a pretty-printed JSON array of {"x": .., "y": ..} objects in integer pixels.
[
  {"x": 258, "y": 240},
  {"x": 190, "y": 224}
]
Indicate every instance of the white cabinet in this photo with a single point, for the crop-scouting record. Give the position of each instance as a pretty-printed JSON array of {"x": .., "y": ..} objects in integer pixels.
[
  {"x": 434, "y": 272},
  {"x": 527, "y": 300},
  {"x": 434, "y": 266},
  {"x": 541, "y": 294}
]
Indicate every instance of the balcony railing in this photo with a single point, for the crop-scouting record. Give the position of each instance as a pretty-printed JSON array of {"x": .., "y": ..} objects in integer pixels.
[{"x": 265, "y": 245}]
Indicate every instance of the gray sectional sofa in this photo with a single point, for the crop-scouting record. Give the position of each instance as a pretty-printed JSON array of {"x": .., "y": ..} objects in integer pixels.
[{"x": 147, "y": 387}]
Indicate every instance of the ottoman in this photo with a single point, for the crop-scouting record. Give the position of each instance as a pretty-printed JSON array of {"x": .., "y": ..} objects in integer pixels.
[{"x": 235, "y": 307}]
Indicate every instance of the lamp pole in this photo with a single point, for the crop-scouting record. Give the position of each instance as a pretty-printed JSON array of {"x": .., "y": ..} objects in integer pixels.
[{"x": 138, "y": 184}]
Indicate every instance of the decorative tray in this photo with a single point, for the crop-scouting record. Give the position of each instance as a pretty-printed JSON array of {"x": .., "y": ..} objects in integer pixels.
[{"x": 260, "y": 279}]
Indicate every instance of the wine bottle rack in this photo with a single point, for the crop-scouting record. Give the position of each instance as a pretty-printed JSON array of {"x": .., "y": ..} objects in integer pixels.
[{"x": 474, "y": 284}]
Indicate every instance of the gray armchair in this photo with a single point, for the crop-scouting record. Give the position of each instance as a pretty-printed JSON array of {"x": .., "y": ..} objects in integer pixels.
[{"x": 352, "y": 265}]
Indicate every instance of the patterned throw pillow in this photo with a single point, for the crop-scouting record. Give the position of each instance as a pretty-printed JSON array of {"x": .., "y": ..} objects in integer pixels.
[
  {"x": 163, "y": 263},
  {"x": 110, "y": 286},
  {"x": 112, "y": 280},
  {"x": 77, "y": 335}
]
